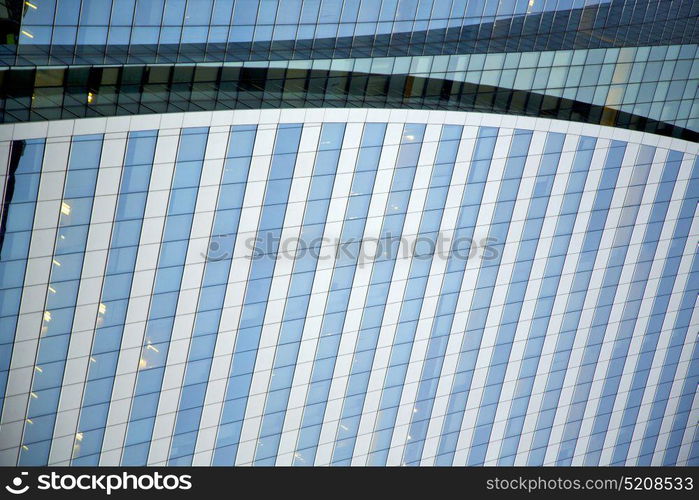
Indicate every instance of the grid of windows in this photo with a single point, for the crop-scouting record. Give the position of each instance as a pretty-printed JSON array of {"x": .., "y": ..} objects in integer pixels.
[
  {"x": 94, "y": 32},
  {"x": 533, "y": 344},
  {"x": 654, "y": 325},
  {"x": 299, "y": 292},
  {"x": 608, "y": 290},
  {"x": 118, "y": 276},
  {"x": 196, "y": 21},
  {"x": 61, "y": 297},
  {"x": 482, "y": 297},
  {"x": 587, "y": 278},
  {"x": 165, "y": 295},
  {"x": 373, "y": 308},
  {"x": 574, "y": 306},
  {"x": 633, "y": 87},
  {"x": 257, "y": 289},
  {"x": 412, "y": 301},
  {"x": 277, "y": 285},
  {"x": 212, "y": 293},
  {"x": 336, "y": 307},
  {"x": 446, "y": 307}
]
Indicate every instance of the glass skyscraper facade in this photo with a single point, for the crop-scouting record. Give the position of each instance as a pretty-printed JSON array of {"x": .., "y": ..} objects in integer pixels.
[{"x": 349, "y": 232}]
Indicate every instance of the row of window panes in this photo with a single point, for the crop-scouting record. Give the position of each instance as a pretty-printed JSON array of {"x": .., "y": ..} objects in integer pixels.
[
  {"x": 128, "y": 211},
  {"x": 289, "y": 12},
  {"x": 528, "y": 71}
]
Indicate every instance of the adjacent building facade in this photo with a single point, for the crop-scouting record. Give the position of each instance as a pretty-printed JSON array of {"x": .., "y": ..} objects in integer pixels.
[{"x": 327, "y": 232}]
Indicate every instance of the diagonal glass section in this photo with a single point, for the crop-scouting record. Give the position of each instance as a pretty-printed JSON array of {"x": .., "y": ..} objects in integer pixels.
[
  {"x": 19, "y": 205},
  {"x": 376, "y": 294},
  {"x": 259, "y": 282},
  {"x": 605, "y": 301},
  {"x": 299, "y": 292},
  {"x": 631, "y": 311},
  {"x": 380, "y": 281},
  {"x": 212, "y": 293},
  {"x": 449, "y": 293},
  {"x": 575, "y": 300},
  {"x": 568, "y": 338},
  {"x": 680, "y": 330},
  {"x": 165, "y": 294},
  {"x": 560, "y": 245},
  {"x": 681, "y": 423},
  {"x": 512, "y": 308},
  {"x": 61, "y": 298},
  {"x": 349, "y": 245},
  {"x": 114, "y": 298},
  {"x": 414, "y": 293},
  {"x": 643, "y": 360},
  {"x": 483, "y": 294}
]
